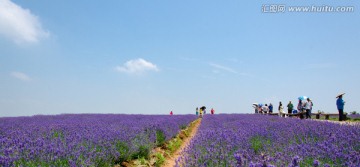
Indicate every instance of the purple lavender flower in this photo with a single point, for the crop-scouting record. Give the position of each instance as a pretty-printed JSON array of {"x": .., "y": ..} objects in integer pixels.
[
  {"x": 316, "y": 163},
  {"x": 82, "y": 139},
  {"x": 237, "y": 156},
  {"x": 267, "y": 140},
  {"x": 295, "y": 161}
]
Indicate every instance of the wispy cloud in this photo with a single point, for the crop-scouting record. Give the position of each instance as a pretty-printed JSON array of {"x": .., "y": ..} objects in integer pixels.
[
  {"x": 20, "y": 76},
  {"x": 19, "y": 24},
  {"x": 137, "y": 66},
  {"x": 223, "y": 68}
]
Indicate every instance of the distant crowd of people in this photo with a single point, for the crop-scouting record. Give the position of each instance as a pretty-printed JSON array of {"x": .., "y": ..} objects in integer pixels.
[
  {"x": 303, "y": 109},
  {"x": 202, "y": 111}
]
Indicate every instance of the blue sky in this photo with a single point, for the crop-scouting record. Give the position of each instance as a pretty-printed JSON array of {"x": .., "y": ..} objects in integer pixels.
[{"x": 150, "y": 57}]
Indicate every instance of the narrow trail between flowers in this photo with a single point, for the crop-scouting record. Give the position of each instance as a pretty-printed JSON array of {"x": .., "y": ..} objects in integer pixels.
[{"x": 171, "y": 161}]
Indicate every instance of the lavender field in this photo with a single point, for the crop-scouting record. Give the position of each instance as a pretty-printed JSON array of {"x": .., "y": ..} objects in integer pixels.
[
  {"x": 84, "y": 139},
  {"x": 256, "y": 140},
  {"x": 354, "y": 117}
]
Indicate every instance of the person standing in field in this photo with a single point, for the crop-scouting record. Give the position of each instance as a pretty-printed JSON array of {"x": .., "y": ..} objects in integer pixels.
[
  {"x": 312, "y": 104},
  {"x": 197, "y": 111},
  {"x": 256, "y": 107},
  {"x": 171, "y": 113},
  {"x": 300, "y": 108},
  {"x": 265, "y": 109},
  {"x": 212, "y": 111},
  {"x": 280, "y": 109},
  {"x": 290, "y": 107},
  {"x": 201, "y": 112},
  {"x": 271, "y": 107},
  {"x": 308, "y": 108},
  {"x": 260, "y": 109},
  {"x": 340, "y": 106}
]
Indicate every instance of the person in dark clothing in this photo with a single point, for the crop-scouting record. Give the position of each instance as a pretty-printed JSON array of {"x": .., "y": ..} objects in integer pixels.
[
  {"x": 340, "y": 106},
  {"x": 301, "y": 109},
  {"x": 271, "y": 107},
  {"x": 290, "y": 107}
]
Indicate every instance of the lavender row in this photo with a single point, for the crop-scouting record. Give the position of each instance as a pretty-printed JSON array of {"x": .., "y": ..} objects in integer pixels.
[
  {"x": 83, "y": 140},
  {"x": 354, "y": 116},
  {"x": 259, "y": 141}
]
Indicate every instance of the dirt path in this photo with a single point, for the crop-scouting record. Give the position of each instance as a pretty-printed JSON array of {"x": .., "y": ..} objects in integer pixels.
[{"x": 170, "y": 161}]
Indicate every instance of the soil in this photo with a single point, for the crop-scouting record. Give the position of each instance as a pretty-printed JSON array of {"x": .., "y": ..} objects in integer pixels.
[{"x": 171, "y": 161}]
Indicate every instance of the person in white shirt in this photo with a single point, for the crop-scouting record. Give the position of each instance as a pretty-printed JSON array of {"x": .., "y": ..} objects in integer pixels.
[
  {"x": 265, "y": 109},
  {"x": 308, "y": 106},
  {"x": 280, "y": 109}
]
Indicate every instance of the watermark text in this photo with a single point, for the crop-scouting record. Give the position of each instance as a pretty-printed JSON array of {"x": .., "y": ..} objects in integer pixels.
[{"x": 281, "y": 8}]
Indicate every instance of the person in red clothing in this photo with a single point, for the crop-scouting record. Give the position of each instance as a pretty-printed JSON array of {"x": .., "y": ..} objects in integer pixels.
[
  {"x": 212, "y": 111},
  {"x": 171, "y": 113}
]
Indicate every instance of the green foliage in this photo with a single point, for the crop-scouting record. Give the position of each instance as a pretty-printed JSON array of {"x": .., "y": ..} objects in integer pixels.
[
  {"x": 307, "y": 162},
  {"x": 182, "y": 127},
  {"x": 123, "y": 149},
  {"x": 142, "y": 146},
  {"x": 143, "y": 152},
  {"x": 160, "y": 138},
  {"x": 58, "y": 163},
  {"x": 174, "y": 144},
  {"x": 57, "y": 134},
  {"x": 353, "y": 113},
  {"x": 160, "y": 159},
  {"x": 258, "y": 142},
  {"x": 102, "y": 162},
  {"x": 36, "y": 163},
  {"x": 142, "y": 161}
]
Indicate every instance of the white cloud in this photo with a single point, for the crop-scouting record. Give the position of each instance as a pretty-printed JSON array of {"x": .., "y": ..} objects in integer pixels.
[
  {"x": 137, "y": 66},
  {"x": 220, "y": 67},
  {"x": 20, "y": 75},
  {"x": 19, "y": 24}
]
